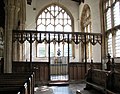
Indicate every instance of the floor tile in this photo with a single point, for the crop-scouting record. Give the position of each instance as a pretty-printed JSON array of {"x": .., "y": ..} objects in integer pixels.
[{"x": 70, "y": 89}]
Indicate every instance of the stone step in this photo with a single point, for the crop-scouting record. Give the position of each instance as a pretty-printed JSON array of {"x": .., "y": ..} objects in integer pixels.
[{"x": 60, "y": 83}]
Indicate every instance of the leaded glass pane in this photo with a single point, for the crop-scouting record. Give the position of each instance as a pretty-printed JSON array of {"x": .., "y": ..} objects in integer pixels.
[
  {"x": 110, "y": 49},
  {"x": 41, "y": 27},
  {"x": 41, "y": 50},
  {"x": 108, "y": 18},
  {"x": 117, "y": 44},
  {"x": 58, "y": 28},
  {"x": 50, "y": 28},
  {"x": 67, "y": 28},
  {"x": 116, "y": 11}
]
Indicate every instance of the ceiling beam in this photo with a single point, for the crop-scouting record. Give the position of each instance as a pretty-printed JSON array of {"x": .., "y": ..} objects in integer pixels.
[
  {"x": 29, "y": 2},
  {"x": 79, "y": 1}
]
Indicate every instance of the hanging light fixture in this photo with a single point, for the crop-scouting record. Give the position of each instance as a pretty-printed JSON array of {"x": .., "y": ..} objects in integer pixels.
[{"x": 58, "y": 52}]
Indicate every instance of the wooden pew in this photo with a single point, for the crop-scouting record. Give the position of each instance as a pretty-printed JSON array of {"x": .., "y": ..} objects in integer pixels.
[
  {"x": 108, "y": 82},
  {"x": 96, "y": 79},
  {"x": 11, "y": 90},
  {"x": 22, "y": 84},
  {"x": 21, "y": 76},
  {"x": 113, "y": 83},
  {"x": 17, "y": 83}
]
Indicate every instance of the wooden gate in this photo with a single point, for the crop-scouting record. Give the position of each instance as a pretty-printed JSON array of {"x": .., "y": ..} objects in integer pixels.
[{"x": 58, "y": 69}]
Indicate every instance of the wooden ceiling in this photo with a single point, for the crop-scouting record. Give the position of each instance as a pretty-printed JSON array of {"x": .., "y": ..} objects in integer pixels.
[{"x": 79, "y": 1}]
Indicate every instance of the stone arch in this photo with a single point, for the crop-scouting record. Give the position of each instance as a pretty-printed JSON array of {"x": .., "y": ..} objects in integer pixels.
[
  {"x": 86, "y": 27},
  {"x": 63, "y": 7}
]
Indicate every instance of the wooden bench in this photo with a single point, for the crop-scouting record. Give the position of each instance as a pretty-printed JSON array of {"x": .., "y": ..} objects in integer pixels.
[
  {"x": 17, "y": 83},
  {"x": 96, "y": 79},
  {"x": 108, "y": 82},
  {"x": 114, "y": 83},
  {"x": 11, "y": 90},
  {"x": 23, "y": 84}
]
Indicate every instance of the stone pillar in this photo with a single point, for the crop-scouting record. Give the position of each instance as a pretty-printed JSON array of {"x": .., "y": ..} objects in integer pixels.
[
  {"x": 16, "y": 21},
  {"x": 22, "y": 27},
  {"x": 20, "y": 12},
  {"x": 9, "y": 26}
]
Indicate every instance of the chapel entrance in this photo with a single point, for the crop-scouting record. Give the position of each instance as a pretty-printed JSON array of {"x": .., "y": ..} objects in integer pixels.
[{"x": 59, "y": 69}]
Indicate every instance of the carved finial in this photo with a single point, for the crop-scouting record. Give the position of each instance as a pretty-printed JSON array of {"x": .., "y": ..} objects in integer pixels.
[
  {"x": 108, "y": 63},
  {"x": 109, "y": 56},
  {"x": 91, "y": 61},
  {"x": 91, "y": 64},
  {"x": 113, "y": 65}
]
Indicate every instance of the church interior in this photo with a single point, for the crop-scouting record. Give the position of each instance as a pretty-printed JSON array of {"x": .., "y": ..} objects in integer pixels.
[{"x": 59, "y": 46}]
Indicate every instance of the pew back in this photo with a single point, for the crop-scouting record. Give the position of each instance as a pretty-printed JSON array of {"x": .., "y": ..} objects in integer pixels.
[
  {"x": 116, "y": 82},
  {"x": 99, "y": 77},
  {"x": 17, "y": 83}
]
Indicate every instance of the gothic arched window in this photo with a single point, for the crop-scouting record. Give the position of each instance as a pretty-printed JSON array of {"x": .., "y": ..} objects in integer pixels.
[
  {"x": 54, "y": 18},
  {"x": 111, "y": 10}
]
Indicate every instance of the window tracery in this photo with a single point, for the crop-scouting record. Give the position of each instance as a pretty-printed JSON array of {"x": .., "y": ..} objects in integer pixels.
[{"x": 56, "y": 19}]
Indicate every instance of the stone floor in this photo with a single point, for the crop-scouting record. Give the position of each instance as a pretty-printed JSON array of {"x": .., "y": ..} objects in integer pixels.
[{"x": 70, "y": 89}]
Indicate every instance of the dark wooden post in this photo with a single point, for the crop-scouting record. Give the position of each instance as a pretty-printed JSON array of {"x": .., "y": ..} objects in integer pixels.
[
  {"x": 30, "y": 51},
  {"x": 111, "y": 81},
  {"x": 109, "y": 63},
  {"x": 113, "y": 65},
  {"x": 68, "y": 54},
  {"x": 49, "y": 59},
  {"x": 85, "y": 55},
  {"x": 2, "y": 65},
  {"x": 91, "y": 64}
]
